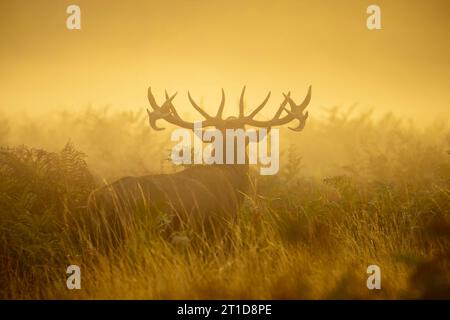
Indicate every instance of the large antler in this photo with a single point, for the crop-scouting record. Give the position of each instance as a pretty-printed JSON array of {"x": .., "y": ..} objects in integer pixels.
[
  {"x": 294, "y": 113},
  {"x": 168, "y": 112}
]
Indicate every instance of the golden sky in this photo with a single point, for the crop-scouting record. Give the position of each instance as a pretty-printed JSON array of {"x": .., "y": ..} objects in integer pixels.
[{"x": 203, "y": 45}]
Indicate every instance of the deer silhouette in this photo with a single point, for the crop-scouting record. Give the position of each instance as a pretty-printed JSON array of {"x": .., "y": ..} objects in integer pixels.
[{"x": 201, "y": 192}]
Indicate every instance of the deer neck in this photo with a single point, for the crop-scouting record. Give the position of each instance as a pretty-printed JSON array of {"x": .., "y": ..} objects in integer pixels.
[{"x": 239, "y": 171}]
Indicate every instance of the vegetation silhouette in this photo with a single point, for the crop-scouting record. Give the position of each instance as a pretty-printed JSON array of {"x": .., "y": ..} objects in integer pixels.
[{"x": 353, "y": 190}]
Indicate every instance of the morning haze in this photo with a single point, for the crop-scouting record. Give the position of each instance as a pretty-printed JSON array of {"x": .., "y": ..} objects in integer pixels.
[{"x": 125, "y": 46}]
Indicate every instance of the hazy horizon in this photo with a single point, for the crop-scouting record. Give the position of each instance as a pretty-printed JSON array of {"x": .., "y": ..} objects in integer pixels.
[{"x": 124, "y": 47}]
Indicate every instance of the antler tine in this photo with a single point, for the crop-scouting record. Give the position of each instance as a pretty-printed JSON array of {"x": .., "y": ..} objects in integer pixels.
[
  {"x": 151, "y": 99},
  {"x": 159, "y": 112},
  {"x": 241, "y": 103},
  {"x": 171, "y": 107},
  {"x": 302, "y": 120},
  {"x": 282, "y": 105},
  {"x": 152, "y": 120},
  {"x": 200, "y": 110},
  {"x": 297, "y": 111},
  {"x": 306, "y": 101},
  {"x": 254, "y": 112},
  {"x": 221, "y": 106}
]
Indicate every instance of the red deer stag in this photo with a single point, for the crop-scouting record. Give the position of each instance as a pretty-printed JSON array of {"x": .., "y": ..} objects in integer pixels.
[{"x": 200, "y": 191}]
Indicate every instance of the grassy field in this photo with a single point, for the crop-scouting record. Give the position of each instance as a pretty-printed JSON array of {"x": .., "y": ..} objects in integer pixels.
[{"x": 352, "y": 191}]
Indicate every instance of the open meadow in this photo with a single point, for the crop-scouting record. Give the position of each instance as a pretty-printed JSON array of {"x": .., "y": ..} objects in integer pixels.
[{"x": 353, "y": 190}]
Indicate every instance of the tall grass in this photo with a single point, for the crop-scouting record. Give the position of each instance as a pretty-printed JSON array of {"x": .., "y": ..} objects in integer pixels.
[{"x": 352, "y": 191}]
